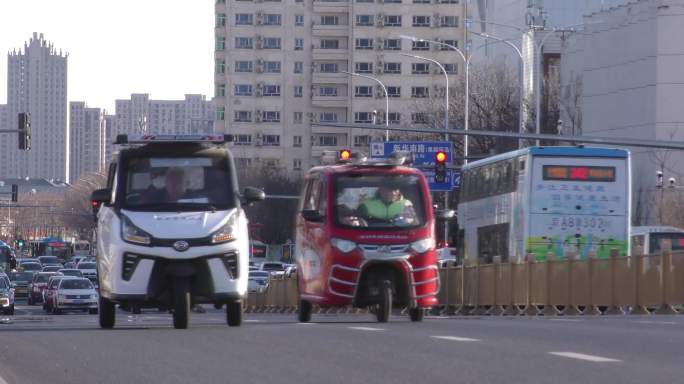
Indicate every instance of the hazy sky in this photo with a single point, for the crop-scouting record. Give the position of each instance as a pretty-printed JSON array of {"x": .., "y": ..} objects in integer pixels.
[{"x": 118, "y": 47}]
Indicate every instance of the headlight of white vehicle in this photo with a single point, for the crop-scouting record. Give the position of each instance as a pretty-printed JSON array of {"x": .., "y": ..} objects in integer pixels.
[
  {"x": 226, "y": 233},
  {"x": 93, "y": 297},
  {"x": 344, "y": 246},
  {"x": 131, "y": 233},
  {"x": 424, "y": 245}
]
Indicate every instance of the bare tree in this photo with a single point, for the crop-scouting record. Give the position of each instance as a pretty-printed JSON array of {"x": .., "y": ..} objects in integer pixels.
[{"x": 570, "y": 103}]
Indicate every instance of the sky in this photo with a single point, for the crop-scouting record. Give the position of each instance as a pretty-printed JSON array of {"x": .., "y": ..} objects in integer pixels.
[{"x": 118, "y": 47}]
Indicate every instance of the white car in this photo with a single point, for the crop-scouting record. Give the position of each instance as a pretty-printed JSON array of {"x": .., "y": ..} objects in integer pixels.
[
  {"x": 171, "y": 228},
  {"x": 75, "y": 294},
  {"x": 258, "y": 281},
  {"x": 88, "y": 269}
]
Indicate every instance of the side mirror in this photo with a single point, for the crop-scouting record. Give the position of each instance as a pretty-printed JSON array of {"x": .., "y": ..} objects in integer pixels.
[
  {"x": 101, "y": 196},
  {"x": 312, "y": 215},
  {"x": 444, "y": 214},
  {"x": 253, "y": 195}
]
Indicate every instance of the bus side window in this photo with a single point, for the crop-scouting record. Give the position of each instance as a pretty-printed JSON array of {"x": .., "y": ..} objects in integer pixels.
[{"x": 638, "y": 241}]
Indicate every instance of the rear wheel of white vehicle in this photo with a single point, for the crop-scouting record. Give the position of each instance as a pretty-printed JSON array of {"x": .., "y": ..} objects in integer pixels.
[
  {"x": 181, "y": 304},
  {"x": 305, "y": 308},
  {"x": 135, "y": 309},
  {"x": 107, "y": 313},
  {"x": 234, "y": 314}
]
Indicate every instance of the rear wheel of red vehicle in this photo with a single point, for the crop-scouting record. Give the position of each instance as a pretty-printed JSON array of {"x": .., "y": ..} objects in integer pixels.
[
  {"x": 305, "y": 308},
  {"x": 234, "y": 314},
  {"x": 416, "y": 314},
  {"x": 107, "y": 313},
  {"x": 385, "y": 306},
  {"x": 181, "y": 304}
]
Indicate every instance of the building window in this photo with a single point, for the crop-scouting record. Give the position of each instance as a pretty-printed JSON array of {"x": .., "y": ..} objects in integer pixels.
[
  {"x": 330, "y": 20},
  {"x": 272, "y": 43},
  {"x": 327, "y": 117},
  {"x": 449, "y": 21},
  {"x": 243, "y": 66},
  {"x": 363, "y": 91},
  {"x": 392, "y": 21},
  {"x": 327, "y": 91},
  {"x": 243, "y": 90},
  {"x": 242, "y": 139},
  {"x": 272, "y": 67},
  {"x": 393, "y": 91},
  {"x": 450, "y": 42},
  {"x": 272, "y": 19},
  {"x": 363, "y": 67},
  {"x": 328, "y": 67},
  {"x": 362, "y": 141},
  {"x": 364, "y": 20},
  {"x": 421, "y": 46},
  {"x": 220, "y": 43},
  {"x": 364, "y": 43},
  {"x": 299, "y": 20},
  {"x": 451, "y": 67},
  {"x": 330, "y": 44},
  {"x": 419, "y": 118},
  {"x": 448, "y": 1},
  {"x": 420, "y": 68},
  {"x": 297, "y": 119},
  {"x": 271, "y": 117},
  {"x": 298, "y": 91},
  {"x": 421, "y": 21},
  {"x": 327, "y": 141},
  {"x": 243, "y": 117},
  {"x": 394, "y": 117},
  {"x": 220, "y": 90},
  {"x": 419, "y": 92},
  {"x": 243, "y": 19},
  {"x": 220, "y": 113},
  {"x": 365, "y": 1},
  {"x": 392, "y": 1},
  {"x": 220, "y": 19},
  {"x": 392, "y": 44},
  {"x": 296, "y": 164},
  {"x": 299, "y": 44},
  {"x": 422, "y": 1},
  {"x": 392, "y": 68},
  {"x": 243, "y": 43},
  {"x": 220, "y": 66},
  {"x": 298, "y": 67},
  {"x": 243, "y": 162},
  {"x": 220, "y": 1},
  {"x": 271, "y": 140},
  {"x": 271, "y": 90},
  {"x": 363, "y": 117}
]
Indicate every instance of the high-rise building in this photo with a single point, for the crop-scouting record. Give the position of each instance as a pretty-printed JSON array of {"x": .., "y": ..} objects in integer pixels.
[
  {"x": 37, "y": 83},
  {"x": 87, "y": 140},
  {"x": 280, "y": 68}
]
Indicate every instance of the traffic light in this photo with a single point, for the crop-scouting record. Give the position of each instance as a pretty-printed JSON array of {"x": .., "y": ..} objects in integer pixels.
[
  {"x": 15, "y": 193},
  {"x": 25, "y": 131},
  {"x": 20, "y": 244},
  {"x": 345, "y": 155},
  {"x": 440, "y": 167}
]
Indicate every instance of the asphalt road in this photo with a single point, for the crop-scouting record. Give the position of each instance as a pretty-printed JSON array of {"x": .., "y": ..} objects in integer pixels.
[{"x": 270, "y": 348}]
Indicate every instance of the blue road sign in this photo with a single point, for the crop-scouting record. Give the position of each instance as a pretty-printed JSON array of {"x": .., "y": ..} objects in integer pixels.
[
  {"x": 452, "y": 181},
  {"x": 423, "y": 151}
]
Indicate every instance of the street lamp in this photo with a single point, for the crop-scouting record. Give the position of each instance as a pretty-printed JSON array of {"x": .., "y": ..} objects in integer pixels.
[{"x": 386, "y": 98}]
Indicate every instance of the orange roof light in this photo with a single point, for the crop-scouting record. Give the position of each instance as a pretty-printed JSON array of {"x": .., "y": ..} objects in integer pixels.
[
  {"x": 345, "y": 155},
  {"x": 440, "y": 157}
]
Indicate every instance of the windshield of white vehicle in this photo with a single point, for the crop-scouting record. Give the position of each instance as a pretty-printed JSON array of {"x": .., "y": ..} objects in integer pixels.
[
  {"x": 379, "y": 201},
  {"x": 83, "y": 265},
  {"x": 76, "y": 284},
  {"x": 173, "y": 183}
]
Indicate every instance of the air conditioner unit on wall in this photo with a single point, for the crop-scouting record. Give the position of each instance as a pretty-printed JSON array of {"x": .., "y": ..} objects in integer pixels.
[
  {"x": 259, "y": 139},
  {"x": 257, "y": 116}
]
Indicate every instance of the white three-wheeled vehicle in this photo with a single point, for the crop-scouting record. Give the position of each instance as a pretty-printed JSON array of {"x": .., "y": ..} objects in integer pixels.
[{"x": 171, "y": 231}]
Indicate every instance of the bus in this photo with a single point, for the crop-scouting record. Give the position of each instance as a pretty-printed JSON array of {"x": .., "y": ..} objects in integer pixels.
[
  {"x": 541, "y": 200},
  {"x": 651, "y": 238},
  {"x": 51, "y": 246},
  {"x": 7, "y": 260},
  {"x": 82, "y": 248}
]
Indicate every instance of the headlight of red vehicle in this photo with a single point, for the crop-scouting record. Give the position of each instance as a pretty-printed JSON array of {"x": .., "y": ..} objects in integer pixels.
[
  {"x": 344, "y": 246},
  {"x": 424, "y": 245}
]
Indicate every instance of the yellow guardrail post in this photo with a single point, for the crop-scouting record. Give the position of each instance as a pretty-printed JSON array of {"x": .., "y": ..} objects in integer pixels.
[
  {"x": 638, "y": 264},
  {"x": 571, "y": 309},
  {"x": 530, "y": 310},
  {"x": 591, "y": 309},
  {"x": 549, "y": 308},
  {"x": 512, "y": 307},
  {"x": 478, "y": 310},
  {"x": 665, "y": 307},
  {"x": 496, "y": 309},
  {"x": 462, "y": 310},
  {"x": 613, "y": 308}
]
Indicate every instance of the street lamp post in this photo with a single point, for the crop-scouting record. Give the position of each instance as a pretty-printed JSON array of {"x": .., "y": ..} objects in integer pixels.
[{"x": 386, "y": 98}]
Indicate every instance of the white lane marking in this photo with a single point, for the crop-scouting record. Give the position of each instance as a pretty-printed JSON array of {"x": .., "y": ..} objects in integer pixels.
[
  {"x": 657, "y": 322},
  {"x": 454, "y": 338},
  {"x": 306, "y": 323},
  {"x": 253, "y": 321},
  {"x": 2, "y": 381},
  {"x": 582, "y": 356},
  {"x": 366, "y": 329},
  {"x": 567, "y": 320}
]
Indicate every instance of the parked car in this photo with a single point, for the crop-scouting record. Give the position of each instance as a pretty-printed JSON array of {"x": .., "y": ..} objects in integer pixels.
[
  {"x": 6, "y": 295},
  {"x": 51, "y": 290},
  {"x": 71, "y": 272},
  {"x": 38, "y": 285},
  {"x": 88, "y": 269},
  {"x": 257, "y": 282},
  {"x": 20, "y": 281},
  {"x": 76, "y": 294},
  {"x": 30, "y": 266},
  {"x": 50, "y": 260}
]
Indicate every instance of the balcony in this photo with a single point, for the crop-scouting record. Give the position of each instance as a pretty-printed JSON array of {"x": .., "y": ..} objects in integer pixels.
[
  {"x": 330, "y": 54},
  {"x": 329, "y": 101},
  {"x": 330, "y": 78},
  {"x": 331, "y": 6},
  {"x": 320, "y": 30}
]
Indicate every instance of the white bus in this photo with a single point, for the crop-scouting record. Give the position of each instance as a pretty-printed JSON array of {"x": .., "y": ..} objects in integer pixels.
[
  {"x": 651, "y": 238},
  {"x": 82, "y": 248},
  {"x": 545, "y": 199}
]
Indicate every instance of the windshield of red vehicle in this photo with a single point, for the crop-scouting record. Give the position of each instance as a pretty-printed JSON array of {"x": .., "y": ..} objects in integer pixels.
[{"x": 379, "y": 201}]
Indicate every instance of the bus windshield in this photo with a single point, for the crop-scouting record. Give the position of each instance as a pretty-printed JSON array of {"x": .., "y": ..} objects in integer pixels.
[{"x": 379, "y": 201}]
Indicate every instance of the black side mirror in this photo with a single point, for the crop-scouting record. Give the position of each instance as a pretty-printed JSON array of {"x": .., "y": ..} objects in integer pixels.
[
  {"x": 444, "y": 214},
  {"x": 312, "y": 215},
  {"x": 101, "y": 196},
  {"x": 253, "y": 195}
]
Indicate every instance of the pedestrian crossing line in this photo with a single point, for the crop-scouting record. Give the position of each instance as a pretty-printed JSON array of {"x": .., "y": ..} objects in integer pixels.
[
  {"x": 366, "y": 329},
  {"x": 454, "y": 338},
  {"x": 582, "y": 356}
]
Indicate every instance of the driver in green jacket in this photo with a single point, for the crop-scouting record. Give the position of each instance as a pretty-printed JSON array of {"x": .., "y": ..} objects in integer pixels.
[{"x": 388, "y": 205}]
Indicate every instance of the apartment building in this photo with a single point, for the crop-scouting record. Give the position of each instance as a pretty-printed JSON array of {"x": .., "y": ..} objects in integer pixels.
[
  {"x": 280, "y": 69},
  {"x": 87, "y": 140}
]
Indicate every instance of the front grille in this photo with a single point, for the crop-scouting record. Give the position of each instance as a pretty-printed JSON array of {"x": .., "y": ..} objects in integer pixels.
[
  {"x": 130, "y": 262},
  {"x": 230, "y": 261},
  {"x": 76, "y": 297},
  {"x": 394, "y": 248}
]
